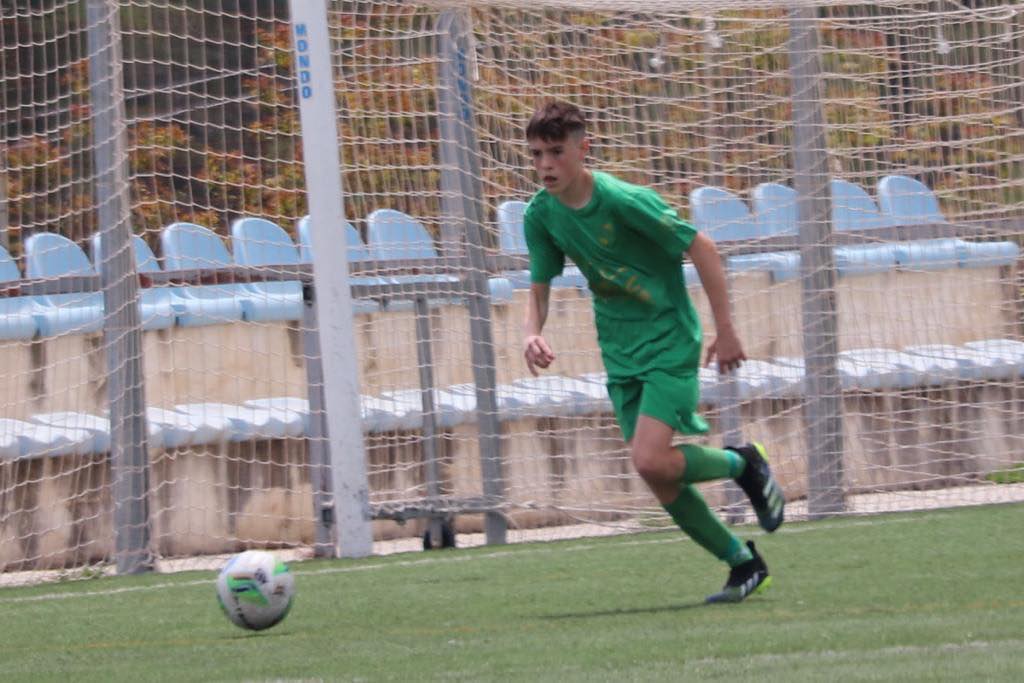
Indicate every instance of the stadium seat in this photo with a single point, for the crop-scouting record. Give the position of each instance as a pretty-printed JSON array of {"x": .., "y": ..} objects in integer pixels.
[
  {"x": 722, "y": 215},
  {"x": 20, "y": 439},
  {"x": 937, "y": 254},
  {"x": 156, "y": 304},
  {"x": 394, "y": 235},
  {"x": 905, "y": 201},
  {"x": 48, "y": 255},
  {"x": 511, "y": 238},
  {"x": 187, "y": 246},
  {"x": 774, "y": 209},
  {"x": 355, "y": 251},
  {"x": 244, "y": 422},
  {"x": 854, "y": 209},
  {"x": 97, "y": 427},
  {"x": 16, "y": 321},
  {"x": 258, "y": 242}
]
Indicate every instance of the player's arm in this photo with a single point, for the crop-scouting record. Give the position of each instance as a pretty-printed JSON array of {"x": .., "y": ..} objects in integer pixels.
[
  {"x": 726, "y": 346},
  {"x": 535, "y": 349},
  {"x": 546, "y": 262}
]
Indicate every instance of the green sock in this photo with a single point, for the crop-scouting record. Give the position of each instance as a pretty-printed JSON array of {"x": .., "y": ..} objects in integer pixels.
[
  {"x": 697, "y": 520},
  {"x": 704, "y": 463}
]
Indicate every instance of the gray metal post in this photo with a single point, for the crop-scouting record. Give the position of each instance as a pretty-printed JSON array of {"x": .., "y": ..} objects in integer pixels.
[
  {"x": 5, "y": 219},
  {"x": 731, "y": 421},
  {"x": 321, "y": 153},
  {"x": 122, "y": 331},
  {"x": 460, "y": 180},
  {"x": 425, "y": 358},
  {"x": 824, "y": 403},
  {"x": 319, "y": 454}
]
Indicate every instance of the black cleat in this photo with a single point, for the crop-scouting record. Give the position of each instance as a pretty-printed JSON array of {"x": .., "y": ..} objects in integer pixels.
[
  {"x": 744, "y": 580},
  {"x": 757, "y": 482}
]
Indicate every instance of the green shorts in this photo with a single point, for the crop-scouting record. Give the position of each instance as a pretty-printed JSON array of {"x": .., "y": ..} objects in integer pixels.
[{"x": 670, "y": 397}]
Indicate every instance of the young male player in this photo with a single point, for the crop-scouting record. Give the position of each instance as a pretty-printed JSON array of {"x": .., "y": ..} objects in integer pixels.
[{"x": 629, "y": 244}]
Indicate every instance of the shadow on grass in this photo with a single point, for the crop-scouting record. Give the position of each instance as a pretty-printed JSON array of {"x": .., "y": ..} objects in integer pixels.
[{"x": 622, "y": 612}]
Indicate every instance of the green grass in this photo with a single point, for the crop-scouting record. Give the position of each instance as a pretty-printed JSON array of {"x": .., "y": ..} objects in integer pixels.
[
  {"x": 925, "y": 596},
  {"x": 1014, "y": 475}
]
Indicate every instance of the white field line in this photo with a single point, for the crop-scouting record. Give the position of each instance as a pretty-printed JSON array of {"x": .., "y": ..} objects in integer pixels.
[
  {"x": 665, "y": 536},
  {"x": 752, "y": 662}
]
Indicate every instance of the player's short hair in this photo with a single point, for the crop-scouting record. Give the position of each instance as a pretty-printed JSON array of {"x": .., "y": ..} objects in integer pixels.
[{"x": 555, "y": 121}]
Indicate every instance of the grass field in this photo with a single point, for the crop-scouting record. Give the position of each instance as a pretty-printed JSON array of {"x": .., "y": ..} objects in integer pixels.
[{"x": 927, "y": 596}]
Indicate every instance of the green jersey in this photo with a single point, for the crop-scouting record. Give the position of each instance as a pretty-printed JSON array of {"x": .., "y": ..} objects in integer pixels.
[{"x": 629, "y": 244}]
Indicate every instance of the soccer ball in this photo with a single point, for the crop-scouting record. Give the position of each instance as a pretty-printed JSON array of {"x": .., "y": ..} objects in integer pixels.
[{"x": 255, "y": 590}]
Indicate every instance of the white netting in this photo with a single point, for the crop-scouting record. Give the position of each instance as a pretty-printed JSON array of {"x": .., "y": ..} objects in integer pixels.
[{"x": 679, "y": 96}]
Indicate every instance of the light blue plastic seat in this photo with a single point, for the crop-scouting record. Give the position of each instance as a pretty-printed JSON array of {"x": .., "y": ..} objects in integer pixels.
[
  {"x": 286, "y": 409},
  {"x": 258, "y": 242},
  {"x": 156, "y": 304},
  {"x": 20, "y": 439},
  {"x": 854, "y": 209},
  {"x": 244, "y": 422},
  {"x": 48, "y": 255},
  {"x": 170, "y": 428},
  {"x": 98, "y": 427},
  {"x": 862, "y": 259},
  {"x": 905, "y": 201},
  {"x": 355, "y": 250},
  {"x": 937, "y": 254},
  {"x": 187, "y": 246},
  {"x": 1009, "y": 352},
  {"x": 16, "y": 320},
  {"x": 722, "y": 215},
  {"x": 755, "y": 379},
  {"x": 511, "y": 237},
  {"x": 393, "y": 235},
  {"x": 988, "y": 254},
  {"x": 774, "y": 209}
]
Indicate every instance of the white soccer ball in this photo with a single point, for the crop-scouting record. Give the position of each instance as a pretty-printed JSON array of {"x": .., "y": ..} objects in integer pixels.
[{"x": 255, "y": 590}]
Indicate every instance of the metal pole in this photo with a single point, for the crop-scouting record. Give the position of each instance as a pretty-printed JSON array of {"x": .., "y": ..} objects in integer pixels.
[
  {"x": 5, "y": 219},
  {"x": 320, "y": 147},
  {"x": 732, "y": 435},
  {"x": 425, "y": 357},
  {"x": 122, "y": 329},
  {"x": 460, "y": 180},
  {"x": 824, "y": 402},
  {"x": 319, "y": 454}
]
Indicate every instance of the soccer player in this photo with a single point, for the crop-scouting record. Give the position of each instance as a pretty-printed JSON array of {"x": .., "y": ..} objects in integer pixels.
[{"x": 629, "y": 245}]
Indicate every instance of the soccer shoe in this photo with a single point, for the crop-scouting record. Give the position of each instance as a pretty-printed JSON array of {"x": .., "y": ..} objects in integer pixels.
[
  {"x": 744, "y": 579},
  {"x": 757, "y": 482}
]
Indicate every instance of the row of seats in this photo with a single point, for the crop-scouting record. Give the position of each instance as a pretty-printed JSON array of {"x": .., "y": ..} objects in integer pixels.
[
  {"x": 395, "y": 235},
  {"x": 199, "y": 424},
  {"x": 902, "y": 201},
  {"x": 254, "y": 241},
  {"x": 725, "y": 217}
]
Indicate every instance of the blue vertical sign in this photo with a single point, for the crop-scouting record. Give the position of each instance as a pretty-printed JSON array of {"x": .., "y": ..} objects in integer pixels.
[{"x": 303, "y": 61}]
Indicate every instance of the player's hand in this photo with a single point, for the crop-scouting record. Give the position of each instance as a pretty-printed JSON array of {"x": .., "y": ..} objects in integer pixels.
[
  {"x": 727, "y": 350},
  {"x": 537, "y": 353}
]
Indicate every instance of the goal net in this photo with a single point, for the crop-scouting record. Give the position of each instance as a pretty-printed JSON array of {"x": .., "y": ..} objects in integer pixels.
[{"x": 860, "y": 166}]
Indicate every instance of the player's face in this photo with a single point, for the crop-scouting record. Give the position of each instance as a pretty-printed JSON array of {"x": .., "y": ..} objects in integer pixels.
[{"x": 559, "y": 163}]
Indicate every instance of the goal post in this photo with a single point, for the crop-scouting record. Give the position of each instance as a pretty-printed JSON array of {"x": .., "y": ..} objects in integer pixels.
[{"x": 342, "y": 414}]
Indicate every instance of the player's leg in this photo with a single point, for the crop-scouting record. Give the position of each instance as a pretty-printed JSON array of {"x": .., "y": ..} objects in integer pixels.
[
  {"x": 764, "y": 492},
  {"x": 662, "y": 468},
  {"x": 667, "y": 403}
]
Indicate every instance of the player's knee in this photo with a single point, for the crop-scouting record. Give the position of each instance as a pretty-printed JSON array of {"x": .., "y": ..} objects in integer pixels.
[{"x": 649, "y": 463}]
